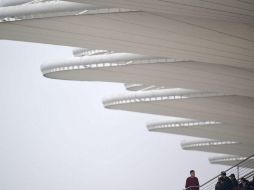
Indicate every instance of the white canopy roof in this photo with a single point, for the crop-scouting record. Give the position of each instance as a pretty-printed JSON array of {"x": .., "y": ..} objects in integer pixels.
[
  {"x": 202, "y": 48},
  {"x": 233, "y": 10},
  {"x": 219, "y": 146},
  {"x": 169, "y": 73},
  {"x": 191, "y": 38}
]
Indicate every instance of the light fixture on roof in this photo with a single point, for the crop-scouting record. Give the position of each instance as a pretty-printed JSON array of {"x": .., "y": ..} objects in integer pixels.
[
  {"x": 183, "y": 124},
  {"x": 207, "y": 144}
]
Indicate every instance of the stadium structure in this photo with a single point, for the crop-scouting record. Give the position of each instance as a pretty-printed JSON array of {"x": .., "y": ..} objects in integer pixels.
[{"x": 191, "y": 59}]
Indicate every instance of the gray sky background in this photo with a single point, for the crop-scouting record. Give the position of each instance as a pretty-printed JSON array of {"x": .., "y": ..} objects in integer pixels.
[{"x": 56, "y": 135}]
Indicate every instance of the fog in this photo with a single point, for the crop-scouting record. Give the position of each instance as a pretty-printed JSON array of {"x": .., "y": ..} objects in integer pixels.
[{"x": 56, "y": 134}]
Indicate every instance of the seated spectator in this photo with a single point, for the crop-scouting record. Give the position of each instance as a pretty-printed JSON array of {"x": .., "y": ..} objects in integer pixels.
[
  {"x": 252, "y": 183},
  {"x": 245, "y": 184},
  {"x": 234, "y": 181},
  {"x": 227, "y": 184},
  {"x": 219, "y": 185}
]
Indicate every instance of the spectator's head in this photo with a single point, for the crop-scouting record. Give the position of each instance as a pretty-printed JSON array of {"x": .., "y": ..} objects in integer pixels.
[
  {"x": 223, "y": 174},
  {"x": 243, "y": 180},
  {"x": 232, "y": 176},
  {"x": 192, "y": 173},
  {"x": 220, "y": 179}
]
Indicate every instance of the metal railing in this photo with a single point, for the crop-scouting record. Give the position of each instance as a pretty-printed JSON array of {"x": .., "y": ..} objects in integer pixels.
[
  {"x": 243, "y": 169},
  {"x": 190, "y": 187}
]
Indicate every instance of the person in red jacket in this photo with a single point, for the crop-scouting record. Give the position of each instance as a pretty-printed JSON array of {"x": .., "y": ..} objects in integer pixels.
[{"x": 192, "y": 182}]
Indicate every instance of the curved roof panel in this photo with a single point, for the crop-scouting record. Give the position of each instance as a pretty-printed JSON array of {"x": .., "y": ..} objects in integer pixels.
[
  {"x": 204, "y": 129},
  {"x": 171, "y": 73},
  {"x": 189, "y": 38},
  {"x": 229, "y": 109},
  {"x": 241, "y": 11},
  {"x": 232, "y": 160},
  {"x": 219, "y": 146}
]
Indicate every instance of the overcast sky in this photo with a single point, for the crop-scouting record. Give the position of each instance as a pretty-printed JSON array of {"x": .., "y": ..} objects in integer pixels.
[{"x": 56, "y": 135}]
